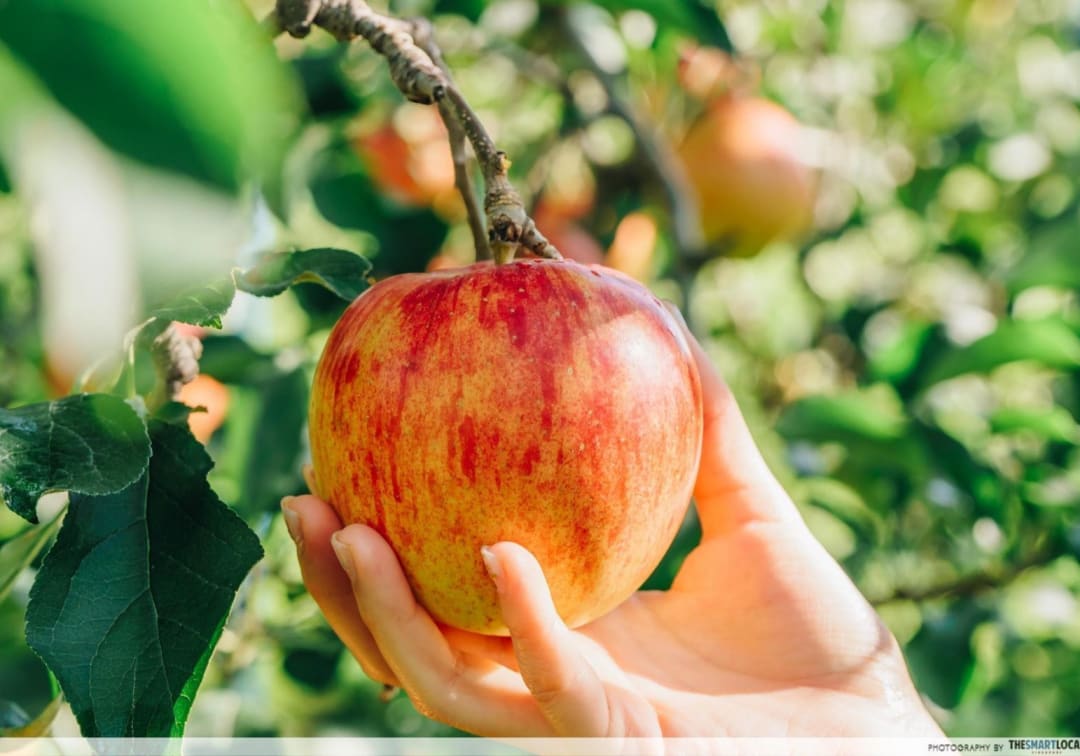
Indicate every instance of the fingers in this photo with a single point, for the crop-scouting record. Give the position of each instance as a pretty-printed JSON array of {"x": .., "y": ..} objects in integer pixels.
[
  {"x": 734, "y": 483},
  {"x": 486, "y": 700},
  {"x": 311, "y": 522},
  {"x": 561, "y": 680}
]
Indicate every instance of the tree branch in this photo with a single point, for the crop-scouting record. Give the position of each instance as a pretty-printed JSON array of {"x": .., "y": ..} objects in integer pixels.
[
  {"x": 421, "y": 80},
  {"x": 991, "y": 578},
  {"x": 657, "y": 153},
  {"x": 424, "y": 36}
]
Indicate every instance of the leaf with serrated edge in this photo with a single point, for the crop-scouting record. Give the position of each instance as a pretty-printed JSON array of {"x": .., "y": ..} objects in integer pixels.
[
  {"x": 342, "y": 272},
  {"x": 203, "y": 306},
  {"x": 88, "y": 443},
  {"x": 129, "y": 602}
]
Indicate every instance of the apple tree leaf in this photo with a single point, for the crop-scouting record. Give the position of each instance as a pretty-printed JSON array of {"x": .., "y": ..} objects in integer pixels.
[
  {"x": 87, "y": 443},
  {"x": 342, "y": 272},
  {"x": 1049, "y": 342},
  {"x": 131, "y": 599},
  {"x": 870, "y": 414},
  {"x": 213, "y": 102},
  {"x": 202, "y": 306}
]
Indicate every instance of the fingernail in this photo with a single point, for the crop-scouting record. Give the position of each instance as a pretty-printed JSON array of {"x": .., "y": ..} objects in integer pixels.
[
  {"x": 344, "y": 555},
  {"x": 292, "y": 520},
  {"x": 491, "y": 563}
]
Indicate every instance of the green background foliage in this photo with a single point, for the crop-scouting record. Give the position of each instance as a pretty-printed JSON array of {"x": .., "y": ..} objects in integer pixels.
[{"x": 911, "y": 368}]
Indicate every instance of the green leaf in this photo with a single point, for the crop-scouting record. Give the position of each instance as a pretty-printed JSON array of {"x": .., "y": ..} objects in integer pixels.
[
  {"x": 874, "y": 414},
  {"x": 272, "y": 468},
  {"x": 1053, "y": 424},
  {"x": 1053, "y": 259},
  {"x": 88, "y": 443},
  {"x": 198, "y": 85},
  {"x": 940, "y": 655},
  {"x": 1049, "y": 342},
  {"x": 130, "y": 600},
  {"x": 20, "y": 551},
  {"x": 202, "y": 306},
  {"x": 344, "y": 273},
  {"x": 693, "y": 17},
  {"x": 895, "y": 360}
]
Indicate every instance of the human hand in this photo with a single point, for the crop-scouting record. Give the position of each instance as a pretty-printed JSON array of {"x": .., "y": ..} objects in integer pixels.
[{"x": 761, "y": 633}]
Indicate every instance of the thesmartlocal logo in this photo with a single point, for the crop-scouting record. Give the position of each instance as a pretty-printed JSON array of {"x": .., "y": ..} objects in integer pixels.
[
  {"x": 1006, "y": 746},
  {"x": 1045, "y": 745}
]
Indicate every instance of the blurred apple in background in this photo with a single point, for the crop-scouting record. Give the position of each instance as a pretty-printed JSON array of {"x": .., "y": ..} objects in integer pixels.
[{"x": 742, "y": 156}]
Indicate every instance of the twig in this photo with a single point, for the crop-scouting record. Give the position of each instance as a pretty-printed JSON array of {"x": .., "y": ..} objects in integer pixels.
[
  {"x": 425, "y": 38},
  {"x": 176, "y": 362},
  {"x": 658, "y": 155},
  {"x": 972, "y": 584},
  {"x": 421, "y": 80}
]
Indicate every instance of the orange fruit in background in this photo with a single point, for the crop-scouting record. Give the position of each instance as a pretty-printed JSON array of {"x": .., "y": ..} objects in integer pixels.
[
  {"x": 573, "y": 241},
  {"x": 210, "y": 393},
  {"x": 412, "y": 165},
  {"x": 742, "y": 159},
  {"x": 634, "y": 246}
]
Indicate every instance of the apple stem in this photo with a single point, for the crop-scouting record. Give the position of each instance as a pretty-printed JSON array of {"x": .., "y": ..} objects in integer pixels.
[
  {"x": 176, "y": 362},
  {"x": 417, "y": 69}
]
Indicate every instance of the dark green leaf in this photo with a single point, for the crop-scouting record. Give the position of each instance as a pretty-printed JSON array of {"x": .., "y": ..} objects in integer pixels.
[
  {"x": 272, "y": 467},
  {"x": 1053, "y": 423},
  {"x": 940, "y": 654},
  {"x": 5, "y": 182},
  {"x": 176, "y": 413},
  {"x": 693, "y": 17},
  {"x": 130, "y": 600},
  {"x": 20, "y": 551},
  {"x": 203, "y": 306},
  {"x": 1053, "y": 259},
  {"x": 326, "y": 89},
  {"x": 407, "y": 237},
  {"x": 198, "y": 85},
  {"x": 344, "y": 273},
  {"x": 1049, "y": 342},
  {"x": 230, "y": 359},
  {"x": 88, "y": 443},
  {"x": 873, "y": 414}
]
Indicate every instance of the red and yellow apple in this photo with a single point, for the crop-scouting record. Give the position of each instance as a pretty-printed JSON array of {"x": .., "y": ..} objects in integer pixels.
[
  {"x": 544, "y": 402},
  {"x": 742, "y": 159}
]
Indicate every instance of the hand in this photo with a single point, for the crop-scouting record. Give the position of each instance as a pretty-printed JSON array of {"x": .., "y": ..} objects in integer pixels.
[{"x": 761, "y": 633}]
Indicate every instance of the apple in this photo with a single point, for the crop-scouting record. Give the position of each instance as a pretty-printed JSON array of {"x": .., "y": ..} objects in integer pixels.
[
  {"x": 544, "y": 402},
  {"x": 741, "y": 157},
  {"x": 212, "y": 397}
]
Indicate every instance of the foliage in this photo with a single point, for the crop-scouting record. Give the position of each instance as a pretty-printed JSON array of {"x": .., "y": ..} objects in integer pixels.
[{"x": 911, "y": 368}]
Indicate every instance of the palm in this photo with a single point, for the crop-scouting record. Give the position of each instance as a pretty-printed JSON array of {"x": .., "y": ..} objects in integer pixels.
[{"x": 742, "y": 644}]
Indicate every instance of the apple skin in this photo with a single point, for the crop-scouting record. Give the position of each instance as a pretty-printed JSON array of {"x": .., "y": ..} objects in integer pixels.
[{"x": 544, "y": 402}]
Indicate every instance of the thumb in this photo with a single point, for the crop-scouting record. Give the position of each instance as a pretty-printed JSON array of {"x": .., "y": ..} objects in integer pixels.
[
  {"x": 734, "y": 484},
  {"x": 562, "y": 682}
]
